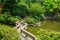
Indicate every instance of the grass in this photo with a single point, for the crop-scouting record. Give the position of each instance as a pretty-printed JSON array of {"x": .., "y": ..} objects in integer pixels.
[{"x": 51, "y": 25}]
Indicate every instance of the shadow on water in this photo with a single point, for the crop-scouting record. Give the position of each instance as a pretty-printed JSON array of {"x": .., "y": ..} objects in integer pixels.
[
  {"x": 55, "y": 19},
  {"x": 11, "y": 25}
]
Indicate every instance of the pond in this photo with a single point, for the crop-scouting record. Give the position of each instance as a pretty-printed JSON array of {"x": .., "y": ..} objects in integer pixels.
[
  {"x": 47, "y": 24},
  {"x": 1, "y": 24}
]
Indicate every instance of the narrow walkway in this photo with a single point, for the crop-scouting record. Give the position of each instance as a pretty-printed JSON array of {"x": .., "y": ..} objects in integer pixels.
[
  {"x": 22, "y": 26},
  {"x": 23, "y": 37}
]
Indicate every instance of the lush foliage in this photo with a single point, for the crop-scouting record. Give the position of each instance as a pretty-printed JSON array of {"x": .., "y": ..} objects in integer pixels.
[
  {"x": 7, "y": 33},
  {"x": 25, "y": 4},
  {"x": 43, "y": 34},
  {"x": 52, "y": 7},
  {"x": 37, "y": 10},
  {"x": 31, "y": 20},
  {"x": 7, "y": 18},
  {"x": 33, "y": 11},
  {"x": 22, "y": 10},
  {"x": 10, "y": 4}
]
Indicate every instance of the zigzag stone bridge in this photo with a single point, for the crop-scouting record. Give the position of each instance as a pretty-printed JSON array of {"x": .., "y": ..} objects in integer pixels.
[{"x": 24, "y": 35}]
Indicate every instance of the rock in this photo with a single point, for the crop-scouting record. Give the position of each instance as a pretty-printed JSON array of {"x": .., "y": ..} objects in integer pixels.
[{"x": 38, "y": 24}]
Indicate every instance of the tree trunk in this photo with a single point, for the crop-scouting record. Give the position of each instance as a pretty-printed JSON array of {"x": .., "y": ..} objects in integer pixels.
[
  {"x": 1, "y": 7},
  {"x": 11, "y": 9}
]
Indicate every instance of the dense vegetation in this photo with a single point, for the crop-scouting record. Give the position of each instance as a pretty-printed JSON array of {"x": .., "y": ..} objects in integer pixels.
[
  {"x": 43, "y": 34},
  {"x": 8, "y": 33},
  {"x": 32, "y": 11},
  {"x": 8, "y": 19},
  {"x": 36, "y": 9}
]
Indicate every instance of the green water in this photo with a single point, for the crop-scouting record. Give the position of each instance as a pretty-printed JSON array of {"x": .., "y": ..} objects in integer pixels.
[
  {"x": 51, "y": 25},
  {"x": 5, "y": 25}
]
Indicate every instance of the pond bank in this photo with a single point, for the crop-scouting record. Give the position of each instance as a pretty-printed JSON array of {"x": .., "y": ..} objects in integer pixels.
[{"x": 47, "y": 24}]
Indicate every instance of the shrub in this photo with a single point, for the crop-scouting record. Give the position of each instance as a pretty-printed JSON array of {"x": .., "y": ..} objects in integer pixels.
[
  {"x": 4, "y": 17},
  {"x": 31, "y": 20},
  {"x": 13, "y": 20},
  {"x": 21, "y": 10},
  {"x": 7, "y": 33},
  {"x": 37, "y": 10},
  {"x": 43, "y": 34},
  {"x": 7, "y": 18}
]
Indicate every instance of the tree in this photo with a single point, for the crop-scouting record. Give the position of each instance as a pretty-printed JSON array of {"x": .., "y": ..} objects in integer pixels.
[
  {"x": 52, "y": 6},
  {"x": 10, "y": 4},
  {"x": 37, "y": 10},
  {"x": 21, "y": 10},
  {"x": 1, "y": 5}
]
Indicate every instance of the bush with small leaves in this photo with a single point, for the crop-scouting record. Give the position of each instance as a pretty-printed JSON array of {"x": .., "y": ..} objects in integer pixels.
[
  {"x": 37, "y": 10},
  {"x": 7, "y": 18},
  {"x": 44, "y": 34},
  {"x": 21, "y": 10},
  {"x": 7, "y": 33},
  {"x": 31, "y": 20}
]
